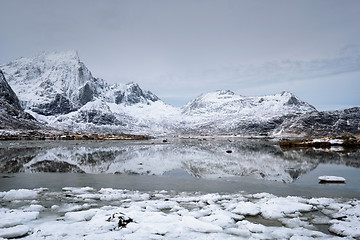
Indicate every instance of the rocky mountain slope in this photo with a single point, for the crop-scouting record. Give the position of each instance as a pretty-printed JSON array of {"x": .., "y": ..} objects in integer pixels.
[
  {"x": 58, "y": 89},
  {"x": 322, "y": 124},
  {"x": 12, "y": 116}
]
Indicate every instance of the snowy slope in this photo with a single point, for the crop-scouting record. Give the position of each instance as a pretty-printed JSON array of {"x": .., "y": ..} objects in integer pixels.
[
  {"x": 225, "y": 102},
  {"x": 223, "y": 112}
]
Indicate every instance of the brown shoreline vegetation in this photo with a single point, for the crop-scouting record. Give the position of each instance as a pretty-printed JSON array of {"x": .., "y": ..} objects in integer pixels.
[{"x": 346, "y": 141}]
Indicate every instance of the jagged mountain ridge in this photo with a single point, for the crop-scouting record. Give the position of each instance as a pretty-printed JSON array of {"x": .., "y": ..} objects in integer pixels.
[
  {"x": 59, "y": 83},
  {"x": 338, "y": 122},
  {"x": 12, "y": 116},
  {"x": 227, "y": 102},
  {"x": 58, "y": 89}
]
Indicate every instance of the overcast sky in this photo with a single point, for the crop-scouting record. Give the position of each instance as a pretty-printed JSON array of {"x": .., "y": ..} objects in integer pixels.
[{"x": 180, "y": 49}]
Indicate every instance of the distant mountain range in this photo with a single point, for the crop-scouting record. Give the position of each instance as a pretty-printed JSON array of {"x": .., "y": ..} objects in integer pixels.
[{"x": 59, "y": 91}]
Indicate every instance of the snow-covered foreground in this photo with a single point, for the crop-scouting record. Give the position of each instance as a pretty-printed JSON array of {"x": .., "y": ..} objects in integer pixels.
[{"x": 87, "y": 213}]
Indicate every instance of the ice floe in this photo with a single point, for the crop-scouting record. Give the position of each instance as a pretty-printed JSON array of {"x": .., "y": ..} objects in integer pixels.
[
  {"x": 126, "y": 214},
  {"x": 331, "y": 179}
]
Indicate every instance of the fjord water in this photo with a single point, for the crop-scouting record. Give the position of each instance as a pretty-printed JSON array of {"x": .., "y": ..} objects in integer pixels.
[{"x": 219, "y": 164}]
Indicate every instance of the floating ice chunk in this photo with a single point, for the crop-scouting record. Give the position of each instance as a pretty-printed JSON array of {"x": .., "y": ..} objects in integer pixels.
[
  {"x": 241, "y": 232},
  {"x": 34, "y": 208},
  {"x": 15, "y": 232},
  {"x": 280, "y": 207},
  {"x": 220, "y": 218},
  {"x": 70, "y": 207},
  {"x": 296, "y": 222},
  {"x": 77, "y": 190},
  {"x": 86, "y": 215},
  {"x": 347, "y": 221},
  {"x": 263, "y": 195},
  {"x": 331, "y": 179},
  {"x": 321, "y": 201},
  {"x": 349, "y": 227},
  {"x": 9, "y": 218},
  {"x": 247, "y": 208},
  {"x": 200, "y": 226},
  {"x": 253, "y": 227},
  {"x": 20, "y": 194}
]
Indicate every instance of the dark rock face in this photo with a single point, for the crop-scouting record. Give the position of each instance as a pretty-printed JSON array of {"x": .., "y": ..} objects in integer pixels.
[
  {"x": 86, "y": 94},
  {"x": 119, "y": 97},
  {"x": 60, "y": 105},
  {"x": 260, "y": 128},
  {"x": 7, "y": 94},
  {"x": 133, "y": 95},
  {"x": 12, "y": 116},
  {"x": 324, "y": 123},
  {"x": 98, "y": 118}
]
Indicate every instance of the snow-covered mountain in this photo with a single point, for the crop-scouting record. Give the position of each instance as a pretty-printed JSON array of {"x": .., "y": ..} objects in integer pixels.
[
  {"x": 220, "y": 103},
  {"x": 59, "y": 83},
  {"x": 59, "y": 90},
  {"x": 12, "y": 116},
  {"x": 222, "y": 112}
]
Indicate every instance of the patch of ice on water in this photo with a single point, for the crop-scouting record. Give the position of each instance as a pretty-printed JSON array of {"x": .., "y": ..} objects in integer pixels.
[
  {"x": 86, "y": 215},
  {"x": 34, "y": 208},
  {"x": 13, "y": 217},
  {"x": 280, "y": 207},
  {"x": 76, "y": 190},
  {"x": 20, "y": 194},
  {"x": 247, "y": 208},
  {"x": 71, "y": 207},
  {"x": 347, "y": 222},
  {"x": 15, "y": 232}
]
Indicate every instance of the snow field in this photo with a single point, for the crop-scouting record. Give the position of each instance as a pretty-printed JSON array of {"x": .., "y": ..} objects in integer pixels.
[{"x": 87, "y": 213}]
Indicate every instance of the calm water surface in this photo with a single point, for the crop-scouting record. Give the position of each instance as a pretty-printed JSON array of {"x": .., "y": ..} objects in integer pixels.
[{"x": 180, "y": 164}]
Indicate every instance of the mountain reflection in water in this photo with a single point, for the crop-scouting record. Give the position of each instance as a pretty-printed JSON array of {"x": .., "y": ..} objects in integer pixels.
[{"x": 201, "y": 158}]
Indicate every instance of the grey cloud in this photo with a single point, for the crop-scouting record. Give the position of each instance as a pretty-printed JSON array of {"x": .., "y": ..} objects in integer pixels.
[{"x": 183, "y": 48}]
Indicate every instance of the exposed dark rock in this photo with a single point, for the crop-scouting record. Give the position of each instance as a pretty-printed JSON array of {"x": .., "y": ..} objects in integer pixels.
[
  {"x": 7, "y": 94},
  {"x": 60, "y": 105},
  {"x": 323, "y": 123},
  {"x": 86, "y": 94},
  {"x": 12, "y": 116},
  {"x": 97, "y": 117},
  {"x": 121, "y": 219},
  {"x": 133, "y": 94}
]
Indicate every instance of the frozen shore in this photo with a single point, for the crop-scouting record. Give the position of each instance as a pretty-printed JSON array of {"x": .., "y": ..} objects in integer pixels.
[{"x": 88, "y": 213}]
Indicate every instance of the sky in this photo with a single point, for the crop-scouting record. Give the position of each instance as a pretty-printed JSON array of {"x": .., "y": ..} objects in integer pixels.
[{"x": 180, "y": 49}]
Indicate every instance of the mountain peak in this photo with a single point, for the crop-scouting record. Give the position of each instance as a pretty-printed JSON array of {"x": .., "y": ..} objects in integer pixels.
[
  {"x": 133, "y": 94},
  {"x": 225, "y": 92},
  {"x": 55, "y": 57},
  {"x": 286, "y": 93}
]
